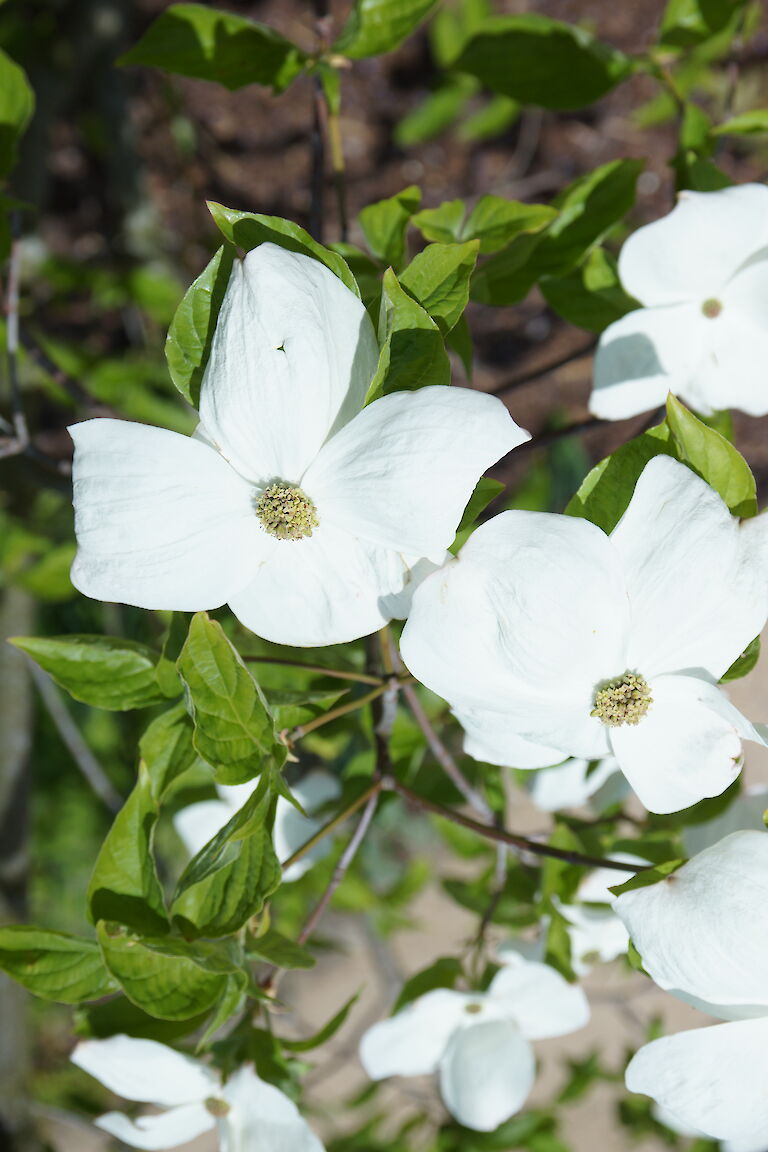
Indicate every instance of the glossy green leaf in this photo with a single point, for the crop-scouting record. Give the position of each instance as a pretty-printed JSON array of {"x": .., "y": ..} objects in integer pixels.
[
  {"x": 385, "y": 224},
  {"x": 167, "y": 749},
  {"x": 234, "y": 731},
  {"x": 124, "y": 886},
  {"x": 714, "y": 458},
  {"x": 326, "y": 1032},
  {"x": 412, "y": 350},
  {"x": 754, "y": 123},
  {"x": 274, "y": 948},
  {"x": 209, "y": 44},
  {"x": 647, "y": 877},
  {"x": 377, "y": 26},
  {"x": 168, "y": 978},
  {"x": 590, "y": 296},
  {"x": 606, "y": 491},
  {"x": 104, "y": 671},
  {"x": 249, "y": 229},
  {"x": 439, "y": 279},
  {"x": 495, "y": 221},
  {"x": 191, "y": 332},
  {"x": 443, "y": 973},
  {"x": 686, "y": 23},
  {"x": 55, "y": 965},
  {"x": 119, "y": 1016},
  {"x": 508, "y": 276},
  {"x": 17, "y": 103},
  {"x": 536, "y": 60},
  {"x": 744, "y": 663},
  {"x": 485, "y": 491},
  {"x": 443, "y": 224},
  {"x": 231, "y": 877}
]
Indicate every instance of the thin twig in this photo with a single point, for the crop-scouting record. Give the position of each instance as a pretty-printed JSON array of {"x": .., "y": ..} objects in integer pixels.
[
  {"x": 317, "y": 152},
  {"x": 502, "y": 836},
  {"x": 341, "y": 868},
  {"x": 85, "y": 760},
  {"x": 335, "y": 713},
  {"x": 547, "y": 439},
  {"x": 544, "y": 369},
  {"x": 331, "y": 825}
]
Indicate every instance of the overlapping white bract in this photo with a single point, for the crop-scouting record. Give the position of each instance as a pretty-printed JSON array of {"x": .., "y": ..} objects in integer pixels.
[
  {"x": 701, "y": 274},
  {"x": 248, "y": 1112},
  {"x": 199, "y": 823},
  {"x": 479, "y": 1043},
  {"x": 539, "y": 611},
  {"x": 170, "y": 522},
  {"x": 703, "y": 935}
]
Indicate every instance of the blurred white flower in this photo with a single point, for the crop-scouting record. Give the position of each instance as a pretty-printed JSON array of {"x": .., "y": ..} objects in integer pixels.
[
  {"x": 199, "y": 823},
  {"x": 574, "y": 783},
  {"x": 557, "y": 640},
  {"x": 702, "y": 935},
  {"x": 595, "y": 931},
  {"x": 746, "y": 811},
  {"x": 292, "y": 503},
  {"x": 479, "y": 1042},
  {"x": 248, "y": 1112},
  {"x": 701, "y": 274}
]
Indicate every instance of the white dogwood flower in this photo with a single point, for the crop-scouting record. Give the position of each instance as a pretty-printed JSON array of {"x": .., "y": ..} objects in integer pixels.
[
  {"x": 702, "y": 935},
  {"x": 665, "y": 1117},
  {"x": 746, "y": 811},
  {"x": 199, "y": 823},
  {"x": 701, "y": 274},
  {"x": 574, "y": 783},
  {"x": 560, "y": 640},
  {"x": 248, "y": 1112},
  {"x": 292, "y": 503},
  {"x": 478, "y": 1042},
  {"x": 596, "y": 933}
]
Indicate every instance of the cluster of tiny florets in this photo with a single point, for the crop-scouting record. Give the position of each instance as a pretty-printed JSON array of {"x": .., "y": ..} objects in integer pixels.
[
  {"x": 624, "y": 700},
  {"x": 286, "y": 512}
]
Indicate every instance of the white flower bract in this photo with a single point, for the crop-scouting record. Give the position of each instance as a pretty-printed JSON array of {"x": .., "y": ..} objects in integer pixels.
[
  {"x": 479, "y": 1043},
  {"x": 248, "y": 1112},
  {"x": 199, "y": 823},
  {"x": 522, "y": 631},
  {"x": 300, "y": 508},
  {"x": 701, "y": 274},
  {"x": 574, "y": 783},
  {"x": 702, "y": 935}
]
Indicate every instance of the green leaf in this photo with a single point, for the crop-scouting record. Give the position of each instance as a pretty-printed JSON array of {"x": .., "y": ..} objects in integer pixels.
[
  {"x": 439, "y": 279},
  {"x": 591, "y": 296},
  {"x": 540, "y": 61},
  {"x": 496, "y": 116},
  {"x": 496, "y": 222},
  {"x": 412, "y": 348},
  {"x": 54, "y": 965},
  {"x": 231, "y": 877},
  {"x": 436, "y": 112},
  {"x": 606, "y": 491},
  {"x": 443, "y": 224},
  {"x": 206, "y": 44},
  {"x": 557, "y": 945},
  {"x": 744, "y": 663},
  {"x": 274, "y": 948},
  {"x": 120, "y": 1016},
  {"x": 326, "y": 1032},
  {"x": 234, "y": 731},
  {"x": 485, "y": 491},
  {"x": 167, "y": 978},
  {"x": 377, "y": 26},
  {"x": 104, "y": 671},
  {"x": 443, "y": 973},
  {"x": 714, "y": 458},
  {"x": 17, "y": 103},
  {"x": 191, "y": 332},
  {"x": 646, "y": 877},
  {"x": 249, "y": 229},
  {"x": 587, "y": 209},
  {"x": 167, "y": 749},
  {"x": 752, "y": 123},
  {"x": 385, "y": 224},
  {"x": 124, "y": 886},
  {"x": 686, "y": 23},
  {"x": 509, "y": 275}
]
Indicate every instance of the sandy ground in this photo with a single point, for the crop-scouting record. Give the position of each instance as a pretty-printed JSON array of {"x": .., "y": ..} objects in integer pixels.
[{"x": 622, "y": 1005}]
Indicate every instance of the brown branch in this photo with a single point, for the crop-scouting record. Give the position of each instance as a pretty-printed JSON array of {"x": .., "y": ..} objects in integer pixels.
[
  {"x": 502, "y": 836},
  {"x": 544, "y": 369}
]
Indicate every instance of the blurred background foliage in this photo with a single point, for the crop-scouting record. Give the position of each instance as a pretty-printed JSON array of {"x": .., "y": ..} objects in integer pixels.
[{"x": 106, "y": 204}]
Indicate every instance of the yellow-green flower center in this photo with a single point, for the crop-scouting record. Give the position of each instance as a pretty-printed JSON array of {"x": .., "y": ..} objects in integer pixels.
[
  {"x": 711, "y": 308},
  {"x": 216, "y": 1106},
  {"x": 286, "y": 512},
  {"x": 624, "y": 700},
  {"x": 473, "y": 1008}
]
